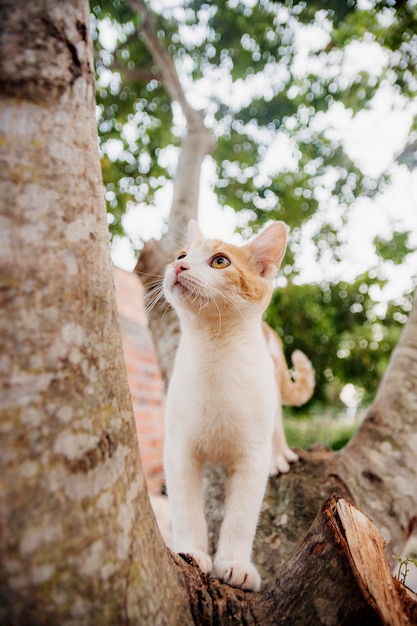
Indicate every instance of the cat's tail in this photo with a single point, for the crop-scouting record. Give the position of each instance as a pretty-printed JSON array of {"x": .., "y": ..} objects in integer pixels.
[{"x": 296, "y": 387}]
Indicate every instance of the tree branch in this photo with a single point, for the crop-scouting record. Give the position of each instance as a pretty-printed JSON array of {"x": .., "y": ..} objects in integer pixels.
[
  {"x": 408, "y": 156},
  {"x": 134, "y": 73},
  {"x": 379, "y": 461},
  {"x": 165, "y": 62},
  {"x": 339, "y": 572},
  {"x": 196, "y": 144}
]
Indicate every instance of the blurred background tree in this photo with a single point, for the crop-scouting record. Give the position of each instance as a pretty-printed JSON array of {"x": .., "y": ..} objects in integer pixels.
[
  {"x": 338, "y": 325},
  {"x": 273, "y": 79}
]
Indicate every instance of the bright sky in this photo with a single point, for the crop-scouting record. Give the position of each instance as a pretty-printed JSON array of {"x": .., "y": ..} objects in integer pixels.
[{"x": 372, "y": 138}]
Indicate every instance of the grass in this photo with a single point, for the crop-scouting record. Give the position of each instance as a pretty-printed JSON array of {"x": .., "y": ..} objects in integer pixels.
[{"x": 322, "y": 428}]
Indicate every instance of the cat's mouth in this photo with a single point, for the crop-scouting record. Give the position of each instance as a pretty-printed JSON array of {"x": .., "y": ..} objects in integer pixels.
[
  {"x": 186, "y": 291},
  {"x": 180, "y": 287},
  {"x": 177, "y": 283}
]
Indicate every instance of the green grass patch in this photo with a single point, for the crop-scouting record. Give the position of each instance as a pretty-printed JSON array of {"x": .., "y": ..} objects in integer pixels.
[{"x": 323, "y": 428}]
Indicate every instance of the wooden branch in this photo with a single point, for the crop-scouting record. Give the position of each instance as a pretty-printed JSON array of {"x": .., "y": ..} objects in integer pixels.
[
  {"x": 134, "y": 73},
  {"x": 124, "y": 44},
  {"x": 366, "y": 556},
  {"x": 164, "y": 61},
  {"x": 339, "y": 575},
  {"x": 378, "y": 464},
  {"x": 196, "y": 144}
]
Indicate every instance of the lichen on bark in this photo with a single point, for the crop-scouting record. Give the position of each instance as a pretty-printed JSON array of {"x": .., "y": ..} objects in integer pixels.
[{"x": 78, "y": 538}]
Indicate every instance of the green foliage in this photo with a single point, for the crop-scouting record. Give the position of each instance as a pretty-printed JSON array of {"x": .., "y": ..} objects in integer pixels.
[
  {"x": 338, "y": 327},
  {"x": 318, "y": 427},
  {"x": 393, "y": 25},
  {"x": 231, "y": 46},
  {"x": 395, "y": 249},
  {"x": 134, "y": 116},
  {"x": 244, "y": 58},
  {"x": 403, "y": 567}
]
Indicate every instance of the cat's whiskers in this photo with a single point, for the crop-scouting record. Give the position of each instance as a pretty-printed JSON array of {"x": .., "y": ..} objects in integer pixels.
[
  {"x": 204, "y": 301},
  {"x": 151, "y": 286},
  {"x": 220, "y": 319},
  {"x": 150, "y": 281},
  {"x": 228, "y": 300},
  {"x": 157, "y": 276},
  {"x": 196, "y": 295},
  {"x": 154, "y": 296}
]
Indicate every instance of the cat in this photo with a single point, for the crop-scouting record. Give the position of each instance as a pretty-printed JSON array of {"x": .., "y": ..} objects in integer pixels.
[{"x": 223, "y": 399}]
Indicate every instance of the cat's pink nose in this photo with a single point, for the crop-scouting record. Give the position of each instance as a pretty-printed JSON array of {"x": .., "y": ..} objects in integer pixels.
[{"x": 180, "y": 266}]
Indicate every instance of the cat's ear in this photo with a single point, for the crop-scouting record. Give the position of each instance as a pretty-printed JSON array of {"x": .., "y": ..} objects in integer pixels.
[
  {"x": 194, "y": 234},
  {"x": 268, "y": 248}
]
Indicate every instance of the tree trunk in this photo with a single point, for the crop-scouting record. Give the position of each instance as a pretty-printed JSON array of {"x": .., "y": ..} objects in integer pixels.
[
  {"x": 78, "y": 541},
  {"x": 379, "y": 464},
  {"x": 196, "y": 144}
]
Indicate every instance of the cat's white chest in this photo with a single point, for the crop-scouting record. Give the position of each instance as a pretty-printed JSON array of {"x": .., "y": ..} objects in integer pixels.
[{"x": 222, "y": 397}]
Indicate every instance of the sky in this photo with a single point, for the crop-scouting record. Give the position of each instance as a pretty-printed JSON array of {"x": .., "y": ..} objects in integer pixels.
[{"x": 372, "y": 138}]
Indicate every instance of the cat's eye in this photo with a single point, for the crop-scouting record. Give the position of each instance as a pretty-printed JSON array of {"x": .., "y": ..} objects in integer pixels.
[
  {"x": 181, "y": 256},
  {"x": 219, "y": 262}
]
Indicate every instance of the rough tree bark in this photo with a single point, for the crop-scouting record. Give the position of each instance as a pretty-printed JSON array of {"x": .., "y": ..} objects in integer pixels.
[{"x": 79, "y": 544}]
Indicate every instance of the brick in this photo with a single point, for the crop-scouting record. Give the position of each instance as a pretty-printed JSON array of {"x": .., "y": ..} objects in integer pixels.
[{"x": 145, "y": 383}]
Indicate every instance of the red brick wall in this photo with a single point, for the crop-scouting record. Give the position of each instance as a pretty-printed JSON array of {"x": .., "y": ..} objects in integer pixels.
[{"x": 145, "y": 382}]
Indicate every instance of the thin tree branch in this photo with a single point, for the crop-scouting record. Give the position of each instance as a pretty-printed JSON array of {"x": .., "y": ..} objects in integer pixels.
[
  {"x": 124, "y": 44},
  {"x": 134, "y": 73},
  {"x": 196, "y": 144},
  {"x": 379, "y": 461},
  {"x": 165, "y": 62}
]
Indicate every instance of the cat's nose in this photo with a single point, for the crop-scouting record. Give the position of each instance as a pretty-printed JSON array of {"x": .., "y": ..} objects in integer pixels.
[{"x": 180, "y": 266}]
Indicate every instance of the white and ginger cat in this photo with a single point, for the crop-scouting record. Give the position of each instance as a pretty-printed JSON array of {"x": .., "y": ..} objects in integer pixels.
[{"x": 224, "y": 397}]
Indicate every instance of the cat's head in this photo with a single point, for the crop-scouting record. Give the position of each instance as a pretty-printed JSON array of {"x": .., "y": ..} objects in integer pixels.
[{"x": 212, "y": 278}]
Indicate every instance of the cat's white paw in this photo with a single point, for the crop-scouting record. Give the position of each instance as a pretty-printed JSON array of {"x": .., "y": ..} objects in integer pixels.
[
  {"x": 238, "y": 574},
  {"x": 203, "y": 560},
  {"x": 290, "y": 455},
  {"x": 280, "y": 462}
]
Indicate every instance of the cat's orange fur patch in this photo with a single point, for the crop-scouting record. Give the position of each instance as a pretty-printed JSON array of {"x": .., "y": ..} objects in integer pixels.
[{"x": 242, "y": 273}]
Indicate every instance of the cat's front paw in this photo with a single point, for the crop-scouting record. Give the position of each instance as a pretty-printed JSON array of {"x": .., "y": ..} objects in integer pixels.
[
  {"x": 280, "y": 462},
  {"x": 203, "y": 560},
  {"x": 238, "y": 574}
]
